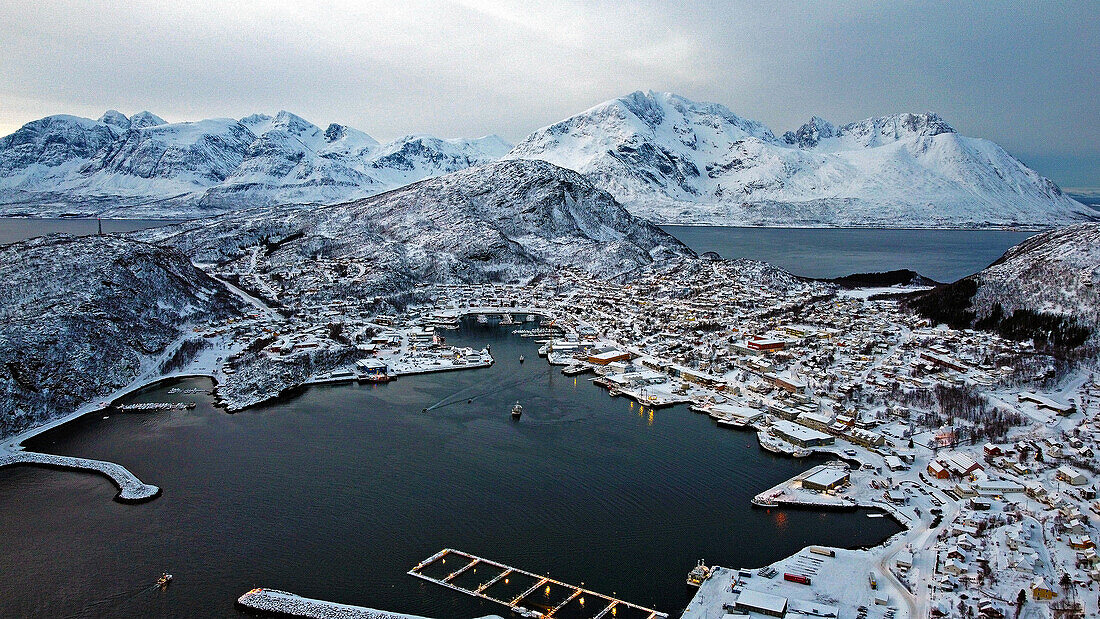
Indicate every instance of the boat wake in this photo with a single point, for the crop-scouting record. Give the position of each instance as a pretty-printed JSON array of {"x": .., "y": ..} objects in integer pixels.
[{"x": 462, "y": 395}]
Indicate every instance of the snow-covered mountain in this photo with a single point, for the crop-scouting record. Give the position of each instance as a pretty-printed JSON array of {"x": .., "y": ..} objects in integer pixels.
[
  {"x": 662, "y": 156},
  {"x": 673, "y": 160},
  {"x": 507, "y": 221},
  {"x": 1046, "y": 288},
  {"x": 143, "y": 166}
]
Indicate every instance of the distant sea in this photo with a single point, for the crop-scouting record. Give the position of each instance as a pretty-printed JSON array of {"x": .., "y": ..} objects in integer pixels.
[
  {"x": 14, "y": 229},
  {"x": 943, "y": 255}
]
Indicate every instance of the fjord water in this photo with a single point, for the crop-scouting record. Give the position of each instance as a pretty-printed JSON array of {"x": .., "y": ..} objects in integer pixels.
[
  {"x": 335, "y": 493},
  {"x": 943, "y": 255},
  {"x": 14, "y": 229}
]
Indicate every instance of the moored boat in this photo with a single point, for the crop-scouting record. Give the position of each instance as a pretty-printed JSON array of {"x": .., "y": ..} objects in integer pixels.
[{"x": 698, "y": 574}]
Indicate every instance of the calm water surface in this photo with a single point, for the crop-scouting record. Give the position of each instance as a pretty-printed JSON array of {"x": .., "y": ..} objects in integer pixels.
[
  {"x": 943, "y": 255},
  {"x": 13, "y": 229},
  {"x": 337, "y": 492}
]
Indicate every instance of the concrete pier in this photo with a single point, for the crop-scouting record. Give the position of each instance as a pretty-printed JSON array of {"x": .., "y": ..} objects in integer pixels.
[{"x": 131, "y": 489}]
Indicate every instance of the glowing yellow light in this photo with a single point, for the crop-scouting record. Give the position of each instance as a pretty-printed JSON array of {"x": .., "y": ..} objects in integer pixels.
[
  {"x": 505, "y": 581},
  {"x": 582, "y": 601}
]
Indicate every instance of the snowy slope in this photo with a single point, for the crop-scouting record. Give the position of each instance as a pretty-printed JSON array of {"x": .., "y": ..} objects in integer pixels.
[
  {"x": 142, "y": 166},
  {"x": 677, "y": 161},
  {"x": 82, "y": 317},
  {"x": 507, "y": 221},
  {"x": 1046, "y": 288},
  {"x": 1056, "y": 272}
]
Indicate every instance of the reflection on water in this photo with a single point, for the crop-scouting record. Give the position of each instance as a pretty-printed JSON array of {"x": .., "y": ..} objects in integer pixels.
[{"x": 336, "y": 493}]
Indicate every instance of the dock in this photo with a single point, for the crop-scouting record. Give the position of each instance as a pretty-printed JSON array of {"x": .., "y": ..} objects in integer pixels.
[
  {"x": 525, "y": 593},
  {"x": 131, "y": 489},
  {"x": 285, "y": 604}
]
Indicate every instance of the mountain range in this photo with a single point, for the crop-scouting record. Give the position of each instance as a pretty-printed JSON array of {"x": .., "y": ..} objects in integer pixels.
[
  {"x": 673, "y": 160},
  {"x": 144, "y": 167},
  {"x": 664, "y": 157}
]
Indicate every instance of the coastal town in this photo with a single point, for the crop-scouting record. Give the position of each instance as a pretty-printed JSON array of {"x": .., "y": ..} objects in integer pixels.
[{"x": 982, "y": 448}]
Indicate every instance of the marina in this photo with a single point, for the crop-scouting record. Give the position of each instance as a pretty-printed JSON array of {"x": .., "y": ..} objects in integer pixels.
[{"x": 530, "y": 595}]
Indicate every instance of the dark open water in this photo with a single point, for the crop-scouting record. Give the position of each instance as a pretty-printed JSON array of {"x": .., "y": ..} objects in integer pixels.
[
  {"x": 943, "y": 255},
  {"x": 14, "y": 229},
  {"x": 338, "y": 492}
]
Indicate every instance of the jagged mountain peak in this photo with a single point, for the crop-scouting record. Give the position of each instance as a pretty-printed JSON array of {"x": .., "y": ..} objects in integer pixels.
[
  {"x": 811, "y": 133},
  {"x": 657, "y": 108},
  {"x": 115, "y": 118},
  {"x": 253, "y": 121},
  {"x": 881, "y": 130},
  {"x": 289, "y": 121},
  {"x": 146, "y": 119}
]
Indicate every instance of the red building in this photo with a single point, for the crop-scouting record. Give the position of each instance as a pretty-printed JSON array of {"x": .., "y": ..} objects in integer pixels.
[{"x": 762, "y": 344}]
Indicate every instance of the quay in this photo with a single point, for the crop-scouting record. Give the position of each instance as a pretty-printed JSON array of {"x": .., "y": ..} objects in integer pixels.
[
  {"x": 131, "y": 489},
  {"x": 795, "y": 492},
  {"x": 284, "y": 604},
  {"x": 525, "y": 593}
]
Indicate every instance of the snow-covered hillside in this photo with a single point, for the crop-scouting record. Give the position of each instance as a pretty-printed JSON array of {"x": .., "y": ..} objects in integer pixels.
[
  {"x": 506, "y": 222},
  {"x": 673, "y": 160},
  {"x": 1056, "y": 272},
  {"x": 1047, "y": 288},
  {"x": 142, "y": 166},
  {"x": 82, "y": 317}
]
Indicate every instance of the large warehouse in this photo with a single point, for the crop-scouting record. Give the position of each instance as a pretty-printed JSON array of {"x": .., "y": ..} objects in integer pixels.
[
  {"x": 826, "y": 478},
  {"x": 759, "y": 602},
  {"x": 800, "y": 435}
]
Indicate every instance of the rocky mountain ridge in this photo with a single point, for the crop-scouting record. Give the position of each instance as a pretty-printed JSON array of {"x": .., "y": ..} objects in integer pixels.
[
  {"x": 144, "y": 167},
  {"x": 673, "y": 160}
]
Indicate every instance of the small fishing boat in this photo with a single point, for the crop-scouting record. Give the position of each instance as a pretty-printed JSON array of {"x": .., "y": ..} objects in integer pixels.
[
  {"x": 164, "y": 579},
  {"x": 517, "y": 411},
  {"x": 698, "y": 574},
  {"x": 521, "y": 358}
]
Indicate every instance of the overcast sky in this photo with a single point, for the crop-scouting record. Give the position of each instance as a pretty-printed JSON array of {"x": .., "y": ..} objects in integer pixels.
[{"x": 1026, "y": 76}]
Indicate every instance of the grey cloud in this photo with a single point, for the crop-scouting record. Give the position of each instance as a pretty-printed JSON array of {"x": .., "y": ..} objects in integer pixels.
[{"x": 1022, "y": 74}]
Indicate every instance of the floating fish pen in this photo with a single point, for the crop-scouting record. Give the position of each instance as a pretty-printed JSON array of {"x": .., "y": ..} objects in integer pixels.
[
  {"x": 525, "y": 593},
  {"x": 145, "y": 407}
]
